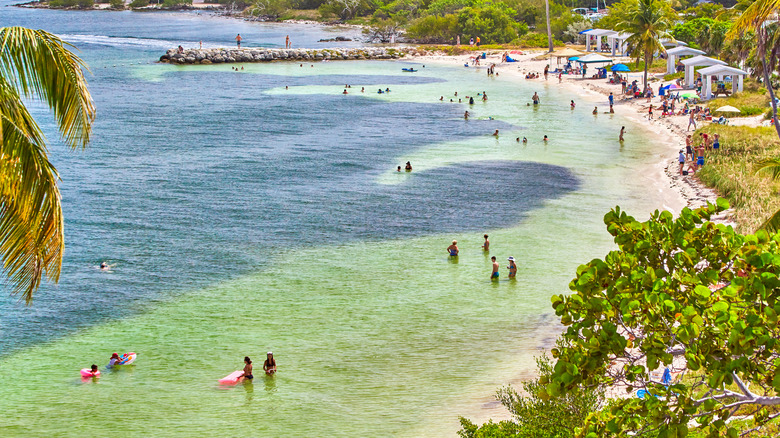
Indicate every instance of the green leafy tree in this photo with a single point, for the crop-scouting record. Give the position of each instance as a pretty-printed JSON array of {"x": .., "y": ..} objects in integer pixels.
[
  {"x": 139, "y": 3},
  {"x": 36, "y": 65},
  {"x": 534, "y": 416},
  {"x": 434, "y": 29},
  {"x": 444, "y": 7},
  {"x": 648, "y": 22},
  {"x": 117, "y": 4},
  {"x": 686, "y": 294},
  {"x": 268, "y": 8},
  {"x": 492, "y": 22}
]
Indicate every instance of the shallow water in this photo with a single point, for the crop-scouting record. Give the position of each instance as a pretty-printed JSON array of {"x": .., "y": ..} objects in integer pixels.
[{"x": 241, "y": 216}]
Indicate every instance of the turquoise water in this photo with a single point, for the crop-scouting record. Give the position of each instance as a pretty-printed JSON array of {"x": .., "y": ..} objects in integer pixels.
[{"x": 241, "y": 216}]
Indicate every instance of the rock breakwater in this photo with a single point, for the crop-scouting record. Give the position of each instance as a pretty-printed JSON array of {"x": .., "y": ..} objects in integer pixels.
[{"x": 257, "y": 54}]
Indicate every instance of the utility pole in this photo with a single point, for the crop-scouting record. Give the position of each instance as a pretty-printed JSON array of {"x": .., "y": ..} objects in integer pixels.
[{"x": 549, "y": 31}]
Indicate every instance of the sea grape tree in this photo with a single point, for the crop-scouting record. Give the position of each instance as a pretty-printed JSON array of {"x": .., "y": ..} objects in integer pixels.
[{"x": 683, "y": 294}]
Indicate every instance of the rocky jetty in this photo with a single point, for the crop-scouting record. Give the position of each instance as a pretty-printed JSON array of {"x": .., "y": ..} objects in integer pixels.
[{"x": 257, "y": 54}]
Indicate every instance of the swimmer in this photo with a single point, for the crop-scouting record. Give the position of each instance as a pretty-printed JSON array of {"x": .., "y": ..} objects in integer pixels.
[
  {"x": 486, "y": 245},
  {"x": 466, "y": 115},
  {"x": 512, "y": 267},
  {"x": 525, "y": 140},
  {"x": 387, "y": 90},
  {"x": 286, "y": 87},
  {"x": 595, "y": 110},
  {"x": 114, "y": 359},
  {"x": 104, "y": 266},
  {"x": 345, "y": 91},
  {"x": 362, "y": 89},
  {"x": 456, "y": 94},
  {"x": 247, "y": 368},
  {"x": 441, "y": 99},
  {"x": 545, "y": 139},
  {"x": 408, "y": 166},
  {"x": 622, "y": 131},
  {"x": 527, "y": 104},
  {"x": 269, "y": 366},
  {"x": 572, "y": 104},
  {"x": 495, "y": 134},
  {"x": 94, "y": 370},
  {"x": 517, "y": 139},
  {"x": 471, "y": 100},
  {"x": 380, "y": 91},
  {"x": 399, "y": 169},
  {"x": 453, "y": 249},
  {"x": 535, "y": 98},
  {"x": 494, "y": 274},
  {"x": 459, "y": 101},
  {"x": 484, "y": 96}
]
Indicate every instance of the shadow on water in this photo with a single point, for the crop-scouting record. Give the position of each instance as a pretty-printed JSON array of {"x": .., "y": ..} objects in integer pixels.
[{"x": 201, "y": 180}]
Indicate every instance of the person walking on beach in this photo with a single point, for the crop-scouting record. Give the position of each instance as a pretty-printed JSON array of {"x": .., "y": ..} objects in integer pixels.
[
  {"x": 494, "y": 274},
  {"x": 622, "y": 131},
  {"x": 269, "y": 366},
  {"x": 287, "y": 42},
  {"x": 512, "y": 267},
  {"x": 238, "y": 40},
  {"x": 688, "y": 148},
  {"x": 691, "y": 121},
  {"x": 611, "y": 99},
  {"x": 650, "y": 112},
  {"x": 471, "y": 41},
  {"x": 453, "y": 249},
  {"x": 478, "y": 41},
  {"x": 486, "y": 245}
]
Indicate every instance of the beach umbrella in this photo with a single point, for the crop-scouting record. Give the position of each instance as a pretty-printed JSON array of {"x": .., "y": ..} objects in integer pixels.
[
  {"x": 728, "y": 109},
  {"x": 689, "y": 94},
  {"x": 674, "y": 87},
  {"x": 566, "y": 52},
  {"x": 574, "y": 58},
  {"x": 620, "y": 67}
]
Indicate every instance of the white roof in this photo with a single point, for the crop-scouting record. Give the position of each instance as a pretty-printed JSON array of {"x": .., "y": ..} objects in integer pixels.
[
  {"x": 593, "y": 57},
  {"x": 669, "y": 42},
  {"x": 722, "y": 70},
  {"x": 599, "y": 32},
  {"x": 685, "y": 51},
  {"x": 623, "y": 35},
  {"x": 702, "y": 60}
]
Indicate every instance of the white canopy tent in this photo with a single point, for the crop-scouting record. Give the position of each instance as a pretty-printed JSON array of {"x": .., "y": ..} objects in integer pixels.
[
  {"x": 737, "y": 77},
  {"x": 673, "y": 54},
  {"x": 697, "y": 61},
  {"x": 594, "y": 58},
  {"x": 597, "y": 34},
  {"x": 618, "y": 41}
]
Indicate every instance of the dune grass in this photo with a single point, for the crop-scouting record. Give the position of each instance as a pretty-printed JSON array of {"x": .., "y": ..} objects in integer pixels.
[
  {"x": 732, "y": 172},
  {"x": 753, "y": 100}
]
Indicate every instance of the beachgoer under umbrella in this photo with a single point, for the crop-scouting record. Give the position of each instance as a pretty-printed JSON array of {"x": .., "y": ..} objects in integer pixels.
[{"x": 238, "y": 40}]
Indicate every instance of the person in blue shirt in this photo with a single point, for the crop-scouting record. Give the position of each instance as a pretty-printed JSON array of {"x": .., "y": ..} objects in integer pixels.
[{"x": 611, "y": 99}]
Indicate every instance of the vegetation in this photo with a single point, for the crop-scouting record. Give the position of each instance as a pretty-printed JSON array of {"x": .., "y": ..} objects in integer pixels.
[
  {"x": 534, "y": 416},
  {"x": 77, "y": 4},
  {"x": 649, "y": 21},
  {"x": 36, "y": 65},
  {"x": 684, "y": 288},
  {"x": 117, "y": 4}
]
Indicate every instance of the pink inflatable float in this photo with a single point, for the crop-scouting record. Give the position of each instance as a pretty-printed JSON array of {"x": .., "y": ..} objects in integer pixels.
[
  {"x": 86, "y": 372},
  {"x": 232, "y": 378}
]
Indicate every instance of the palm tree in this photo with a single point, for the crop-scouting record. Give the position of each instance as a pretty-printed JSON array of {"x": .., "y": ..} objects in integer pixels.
[
  {"x": 755, "y": 18},
  {"x": 36, "y": 65},
  {"x": 549, "y": 31},
  {"x": 649, "y": 22},
  {"x": 771, "y": 166}
]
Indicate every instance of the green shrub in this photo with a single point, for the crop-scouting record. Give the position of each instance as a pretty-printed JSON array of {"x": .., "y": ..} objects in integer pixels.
[
  {"x": 139, "y": 3},
  {"x": 492, "y": 22},
  {"x": 434, "y": 29},
  {"x": 117, "y": 4}
]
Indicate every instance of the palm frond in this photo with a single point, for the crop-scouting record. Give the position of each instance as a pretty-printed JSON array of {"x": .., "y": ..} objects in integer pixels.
[
  {"x": 772, "y": 224},
  {"x": 38, "y": 64},
  {"x": 771, "y": 166},
  {"x": 35, "y": 64},
  {"x": 754, "y": 16}
]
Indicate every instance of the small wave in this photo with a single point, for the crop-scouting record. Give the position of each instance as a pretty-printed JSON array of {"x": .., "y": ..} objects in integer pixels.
[{"x": 120, "y": 41}]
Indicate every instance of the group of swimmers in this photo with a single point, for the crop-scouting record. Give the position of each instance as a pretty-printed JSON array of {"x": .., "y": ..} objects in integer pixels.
[
  {"x": 408, "y": 167},
  {"x": 482, "y": 95},
  {"x": 269, "y": 366},
  {"x": 454, "y": 251},
  {"x": 363, "y": 90}
]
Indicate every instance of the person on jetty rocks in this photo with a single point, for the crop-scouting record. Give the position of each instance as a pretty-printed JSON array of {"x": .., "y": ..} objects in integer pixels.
[{"x": 238, "y": 40}]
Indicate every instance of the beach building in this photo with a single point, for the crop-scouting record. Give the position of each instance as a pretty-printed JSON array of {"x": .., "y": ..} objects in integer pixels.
[
  {"x": 593, "y": 36},
  {"x": 679, "y": 52},
  {"x": 697, "y": 61},
  {"x": 736, "y": 75}
]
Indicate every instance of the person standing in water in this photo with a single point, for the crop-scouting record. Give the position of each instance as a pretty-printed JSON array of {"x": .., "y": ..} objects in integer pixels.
[
  {"x": 535, "y": 98},
  {"x": 572, "y": 104},
  {"x": 494, "y": 274},
  {"x": 512, "y": 267},
  {"x": 269, "y": 366},
  {"x": 238, "y": 40},
  {"x": 247, "y": 368},
  {"x": 453, "y": 249},
  {"x": 486, "y": 245},
  {"x": 622, "y": 131},
  {"x": 408, "y": 167},
  {"x": 466, "y": 115}
]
